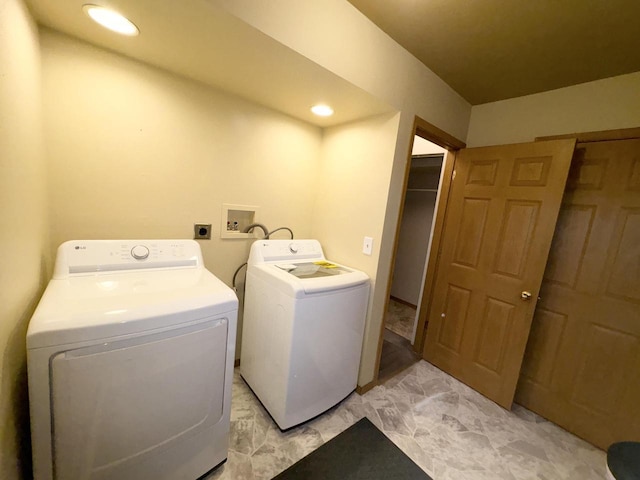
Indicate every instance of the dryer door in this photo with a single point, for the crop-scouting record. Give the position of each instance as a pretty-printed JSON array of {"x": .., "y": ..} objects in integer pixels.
[{"x": 119, "y": 404}]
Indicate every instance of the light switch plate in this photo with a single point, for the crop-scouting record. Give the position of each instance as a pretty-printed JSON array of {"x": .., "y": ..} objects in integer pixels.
[{"x": 367, "y": 246}]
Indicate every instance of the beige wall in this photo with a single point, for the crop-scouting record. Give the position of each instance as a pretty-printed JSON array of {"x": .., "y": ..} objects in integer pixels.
[
  {"x": 351, "y": 200},
  {"x": 606, "y": 104},
  {"x": 23, "y": 229},
  {"x": 413, "y": 243},
  {"x": 334, "y": 34},
  {"x": 137, "y": 152}
]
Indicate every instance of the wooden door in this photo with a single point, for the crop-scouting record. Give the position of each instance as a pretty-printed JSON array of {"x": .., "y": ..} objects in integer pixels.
[
  {"x": 582, "y": 366},
  {"x": 500, "y": 219}
]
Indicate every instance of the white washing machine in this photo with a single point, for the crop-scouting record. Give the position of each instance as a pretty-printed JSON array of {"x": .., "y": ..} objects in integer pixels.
[
  {"x": 303, "y": 328},
  {"x": 130, "y": 362}
]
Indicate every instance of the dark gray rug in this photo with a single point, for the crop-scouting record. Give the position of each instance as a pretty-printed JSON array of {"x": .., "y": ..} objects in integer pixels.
[{"x": 361, "y": 452}]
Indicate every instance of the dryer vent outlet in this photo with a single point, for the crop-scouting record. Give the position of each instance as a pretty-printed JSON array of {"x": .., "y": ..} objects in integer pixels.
[{"x": 202, "y": 231}]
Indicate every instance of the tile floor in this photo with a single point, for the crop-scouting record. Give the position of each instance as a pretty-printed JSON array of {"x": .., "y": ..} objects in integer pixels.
[
  {"x": 449, "y": 430},
  {"x": 400, "y": 319}
]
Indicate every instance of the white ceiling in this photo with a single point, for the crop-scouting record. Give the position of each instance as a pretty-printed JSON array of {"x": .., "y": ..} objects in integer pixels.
[
  {"x": 204, "y": 43},
  {"x": 486, "y": 50},
  {"x": 490, "y": 50}
]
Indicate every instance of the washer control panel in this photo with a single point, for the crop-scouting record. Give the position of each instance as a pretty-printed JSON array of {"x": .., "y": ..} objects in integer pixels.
[
  {"x": 90, "y": 256},
  {"x": 278, "y": 250}
]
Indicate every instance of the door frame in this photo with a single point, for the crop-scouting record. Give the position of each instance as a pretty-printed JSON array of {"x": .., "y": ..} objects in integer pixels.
[
  {"x": 442, "y": 200},
  {"x": 597, "y": 136},
  {"x": 429, "y": 132}
]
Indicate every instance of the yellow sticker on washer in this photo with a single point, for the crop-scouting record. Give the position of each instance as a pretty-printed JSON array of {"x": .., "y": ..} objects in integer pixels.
[{"x": 325, "y": 264}]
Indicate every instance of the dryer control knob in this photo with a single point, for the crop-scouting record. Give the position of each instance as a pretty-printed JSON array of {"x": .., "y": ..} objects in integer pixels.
[
  {"x": 293, "y": 247},
  {"x": 139, "y": 252}
]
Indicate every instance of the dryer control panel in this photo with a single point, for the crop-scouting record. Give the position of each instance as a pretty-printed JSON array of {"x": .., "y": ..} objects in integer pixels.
[{"x": 82, "y": 257}]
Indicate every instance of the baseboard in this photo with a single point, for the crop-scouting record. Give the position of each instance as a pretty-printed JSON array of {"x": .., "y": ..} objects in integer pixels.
[
  {"x": 361, "y": 390},
  {"x": 404, "y": 302}
]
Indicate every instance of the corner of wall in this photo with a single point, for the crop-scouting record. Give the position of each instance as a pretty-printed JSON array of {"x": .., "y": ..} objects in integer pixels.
[{"x": 23, "y": 221}]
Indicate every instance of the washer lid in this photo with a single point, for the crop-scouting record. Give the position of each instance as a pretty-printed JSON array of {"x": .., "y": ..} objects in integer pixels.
[
  {"x": 310, "y": 279},
  {"x": 318, "y": 269},
  {"x": 76, "y": 309}
]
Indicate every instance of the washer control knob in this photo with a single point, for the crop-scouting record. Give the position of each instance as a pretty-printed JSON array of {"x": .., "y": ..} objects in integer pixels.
[
  {"x": 293, "y": 247},
  {"x": 139, "y": 252}
]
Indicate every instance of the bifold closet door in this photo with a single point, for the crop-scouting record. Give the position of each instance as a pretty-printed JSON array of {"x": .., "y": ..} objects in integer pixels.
[{"x": 582, "y": 366}]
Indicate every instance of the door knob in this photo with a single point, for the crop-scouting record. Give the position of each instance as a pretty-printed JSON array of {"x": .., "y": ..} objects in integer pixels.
[{"x": 525, "y": 295}]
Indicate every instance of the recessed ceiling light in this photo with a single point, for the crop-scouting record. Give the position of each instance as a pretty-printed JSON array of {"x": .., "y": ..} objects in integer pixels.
[
  {"x": 111, "y": 20},
  {"x": 322, "y": 110}
]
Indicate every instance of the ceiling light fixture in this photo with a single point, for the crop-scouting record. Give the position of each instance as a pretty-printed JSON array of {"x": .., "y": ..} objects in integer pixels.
[
  {"x": 322, "y": 110},
  {"x": 111, "y": 20}
]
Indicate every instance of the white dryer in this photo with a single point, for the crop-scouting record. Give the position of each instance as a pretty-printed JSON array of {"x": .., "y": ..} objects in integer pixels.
[
  {"x": 130, "y": 362},
  {"x": 303, "y": 328}
]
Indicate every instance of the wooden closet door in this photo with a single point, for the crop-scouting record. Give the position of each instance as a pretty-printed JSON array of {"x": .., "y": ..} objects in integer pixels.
[
  {"x": 499, "y": 224},
  {"x": 582, "y": 365}
]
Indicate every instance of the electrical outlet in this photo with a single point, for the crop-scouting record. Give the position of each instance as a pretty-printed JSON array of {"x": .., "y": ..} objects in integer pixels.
[
  {"x": 202, "y": 231},
  {"x": 367, "y": 246}
]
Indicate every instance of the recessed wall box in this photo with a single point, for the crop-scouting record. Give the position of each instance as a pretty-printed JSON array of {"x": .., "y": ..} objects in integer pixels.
[{"x": 236, "y": 218}]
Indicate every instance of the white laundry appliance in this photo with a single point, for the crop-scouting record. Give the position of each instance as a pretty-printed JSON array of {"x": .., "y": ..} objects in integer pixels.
[
  {"x": 130, "y": 362},
  {"x": 302, "y": 331}
]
